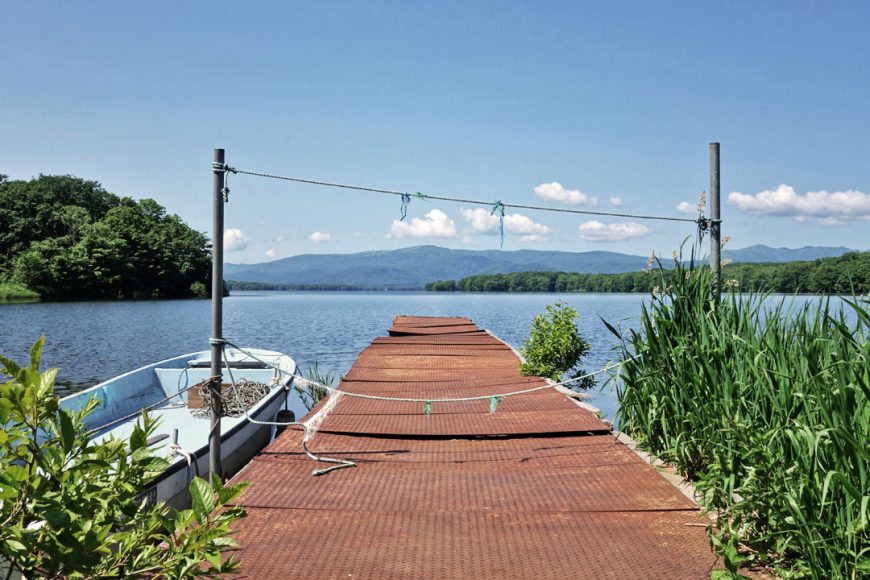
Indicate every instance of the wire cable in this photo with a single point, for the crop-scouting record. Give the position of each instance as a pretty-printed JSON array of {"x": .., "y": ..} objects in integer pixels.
[{"x": 404, "y": 195}]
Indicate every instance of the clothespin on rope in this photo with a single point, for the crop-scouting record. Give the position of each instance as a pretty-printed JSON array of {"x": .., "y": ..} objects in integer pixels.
[
  {"x": 498, "y": 206},
  {"x": 493, "y": 403},
  {"x": 406, "y": 199},
  {"x": 427, "y": 408}
]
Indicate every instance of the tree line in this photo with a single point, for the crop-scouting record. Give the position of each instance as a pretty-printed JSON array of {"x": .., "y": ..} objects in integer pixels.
[
  {"x": 244, "y": 285},
  {"x": 841, "y": 275},
  {"x": 68, "y": 238}
]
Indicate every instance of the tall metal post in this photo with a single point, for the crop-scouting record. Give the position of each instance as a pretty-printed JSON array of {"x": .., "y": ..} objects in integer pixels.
[
  {"x": 715, "y": 222},
  {"x": 217, "y": 332}
]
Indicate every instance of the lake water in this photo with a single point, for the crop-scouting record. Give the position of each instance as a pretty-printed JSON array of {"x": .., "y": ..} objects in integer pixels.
[{"x": 92, "y": 341}]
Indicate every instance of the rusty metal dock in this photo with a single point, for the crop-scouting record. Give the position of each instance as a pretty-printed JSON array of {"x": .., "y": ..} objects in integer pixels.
[{"x": 539, "y": 489}]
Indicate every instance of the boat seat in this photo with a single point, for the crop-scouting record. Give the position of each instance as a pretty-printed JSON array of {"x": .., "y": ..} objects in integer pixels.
[{"x": 236, "y": 364}]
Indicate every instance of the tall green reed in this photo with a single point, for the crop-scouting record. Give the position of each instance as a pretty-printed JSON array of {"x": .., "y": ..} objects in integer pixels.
[{"x": 764, "y": 404}]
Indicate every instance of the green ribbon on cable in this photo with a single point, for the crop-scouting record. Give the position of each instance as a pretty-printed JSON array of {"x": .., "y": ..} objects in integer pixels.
[
  {"x": 498, "y": 206},
  {"x": 427, "y": 408},
  {"x": 421, "y": 195},
  {"x": 493, "y": 403}
]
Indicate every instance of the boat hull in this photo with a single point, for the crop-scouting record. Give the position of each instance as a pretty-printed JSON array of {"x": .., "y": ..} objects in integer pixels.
[{"x": 238, "y": 446}]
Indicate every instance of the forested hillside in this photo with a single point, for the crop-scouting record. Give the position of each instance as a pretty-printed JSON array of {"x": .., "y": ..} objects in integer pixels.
[
  {"x": 69, "y": 239},
  {"x": 839, "y": 275}
]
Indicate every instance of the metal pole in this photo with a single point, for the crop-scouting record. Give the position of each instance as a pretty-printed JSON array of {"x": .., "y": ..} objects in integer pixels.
[
  {"x": 217, "y": 332},
  {"x": 715, "y": 222}
]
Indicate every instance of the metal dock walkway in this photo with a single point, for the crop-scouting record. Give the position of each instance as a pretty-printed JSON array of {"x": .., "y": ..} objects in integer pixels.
[{"x": 539, "y": 489}]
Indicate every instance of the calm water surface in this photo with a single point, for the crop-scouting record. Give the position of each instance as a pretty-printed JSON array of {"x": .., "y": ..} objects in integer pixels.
[{"x": 94, "y": 341}]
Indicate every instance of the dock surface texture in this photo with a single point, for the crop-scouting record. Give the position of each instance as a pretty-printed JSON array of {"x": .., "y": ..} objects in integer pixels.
[{"x": 539, "y": 489}]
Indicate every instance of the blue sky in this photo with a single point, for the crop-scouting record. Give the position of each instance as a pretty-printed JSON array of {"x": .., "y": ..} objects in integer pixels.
[{"x": 583, "y": 102}]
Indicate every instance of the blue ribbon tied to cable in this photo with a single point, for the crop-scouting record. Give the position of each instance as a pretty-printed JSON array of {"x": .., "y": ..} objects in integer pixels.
[
  {"x": 406, "y": 199},
  {"x": 498, "y": 207}
]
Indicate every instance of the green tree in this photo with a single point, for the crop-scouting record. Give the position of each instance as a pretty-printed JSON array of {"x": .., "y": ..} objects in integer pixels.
[
  {"x": 554, "y": 346},
  {"x": 69, "y": 239},
  {"x": 35, "y": 210},
  {"x": 72, "y": 507}
]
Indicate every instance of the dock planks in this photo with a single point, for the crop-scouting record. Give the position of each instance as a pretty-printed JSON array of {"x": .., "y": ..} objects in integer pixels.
[{"x": 539, "y": 489}]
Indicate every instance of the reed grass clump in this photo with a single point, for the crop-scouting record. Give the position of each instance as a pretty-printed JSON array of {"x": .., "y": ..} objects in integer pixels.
[
  {"x": 311, "y": 393},
  {"x": 764, "y": 404},
  {"x": 15, "y": 292}
]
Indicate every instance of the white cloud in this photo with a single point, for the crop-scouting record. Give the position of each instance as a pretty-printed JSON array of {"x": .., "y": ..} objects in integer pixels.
[
  {"x": 595, "y": 231},
  {"x": 435, "y": 224},
  {"x": 235, "y": 240},
  {"x": 827, "y": 208},
  {"x": 534, "y": 238},
  {"x": 279, "y": 239},
  {"x": 616, "y": 201},
  {"x": 319, "y": 237},
  {"x": 484, "y": 222},
  {"x": 556, "y": 192},
  {"x": 686, "y": 207},
  {"x": 270, "y": 253}
]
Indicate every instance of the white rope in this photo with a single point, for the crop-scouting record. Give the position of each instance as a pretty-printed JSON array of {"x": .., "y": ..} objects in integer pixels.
[
  {"x": 340, "y": 463},
  {"x": 445, "y": 400},
  {"x": 175, "y": 449},
  {"x": 312, "y": 425}
]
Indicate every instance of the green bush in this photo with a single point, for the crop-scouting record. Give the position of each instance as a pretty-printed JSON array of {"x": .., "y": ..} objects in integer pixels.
[
  {"x": 765, "y": 405},
  {"x": 71, "y": 507},
  {"x": 554, "y": 346}
]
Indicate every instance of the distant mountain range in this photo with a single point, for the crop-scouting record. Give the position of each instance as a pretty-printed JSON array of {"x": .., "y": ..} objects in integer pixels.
[{"x": 414, "y": 267}]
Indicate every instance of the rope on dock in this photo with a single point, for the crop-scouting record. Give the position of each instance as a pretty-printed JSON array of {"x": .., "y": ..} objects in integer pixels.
[
  {"x": 311, "y": 426},
  {"x": 428, "y": 402}
]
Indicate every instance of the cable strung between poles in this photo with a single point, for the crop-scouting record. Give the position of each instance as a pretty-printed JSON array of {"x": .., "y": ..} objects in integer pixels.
[{"x": 229, "y": 169}]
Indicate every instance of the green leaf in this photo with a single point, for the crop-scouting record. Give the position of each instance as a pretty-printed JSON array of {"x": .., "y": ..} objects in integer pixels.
[
  {"x": 230, "y": 492},
  {"x": 36, "y": 353},
  {"x": 138, "y": 439},
  {"x": 9, "y": 367},
  {"x": 214, "y": 559},
  {"x": 202, "y": 499},
  {"x": 15, "y": 545},
  {"x": 67, "y": 431},
  {"x": 225, "y": 542},
  {"x": 46, "y": 384}
]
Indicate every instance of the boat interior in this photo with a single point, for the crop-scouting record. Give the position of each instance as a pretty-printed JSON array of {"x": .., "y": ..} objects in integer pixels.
[{"x": 165, "y": 389}]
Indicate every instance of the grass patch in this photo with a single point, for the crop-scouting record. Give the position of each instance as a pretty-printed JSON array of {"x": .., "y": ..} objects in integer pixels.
[
  {"x": 765, "y": 406},
  {"x": 14, "y": 292}
]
